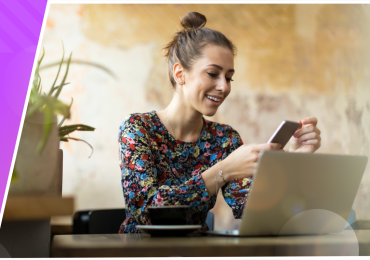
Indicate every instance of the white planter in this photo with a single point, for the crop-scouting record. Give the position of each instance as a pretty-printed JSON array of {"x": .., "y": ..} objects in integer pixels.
[{"x": 35, "y": 171}]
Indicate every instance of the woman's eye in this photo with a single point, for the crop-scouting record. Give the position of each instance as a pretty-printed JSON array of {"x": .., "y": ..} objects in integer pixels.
[
  {"x": 229, "y": 79},
  {"x": 215, "y": 75},
  {"x": 212, "y": 75}
]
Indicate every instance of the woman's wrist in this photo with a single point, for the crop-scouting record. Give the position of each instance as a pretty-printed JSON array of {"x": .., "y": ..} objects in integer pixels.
[{"x": 224, "y": 166}]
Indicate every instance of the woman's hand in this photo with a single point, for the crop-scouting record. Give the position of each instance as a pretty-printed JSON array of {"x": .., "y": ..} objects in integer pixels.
[
  {"x": 307, "y": 138},
  {"x": 242, "y": 162}
]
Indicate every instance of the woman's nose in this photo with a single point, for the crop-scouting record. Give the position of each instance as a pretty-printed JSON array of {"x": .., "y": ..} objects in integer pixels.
[{"x": 222, "y": 85}]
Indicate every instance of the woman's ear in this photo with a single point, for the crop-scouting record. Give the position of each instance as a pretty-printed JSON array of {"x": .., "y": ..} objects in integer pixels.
[{"x": 178, "y": 74}]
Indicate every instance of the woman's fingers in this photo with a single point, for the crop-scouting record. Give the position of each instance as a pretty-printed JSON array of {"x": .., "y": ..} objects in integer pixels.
[
  {"x": 311, "y": 142},
  {"x": 307, "y": 129},
  {"x": 262, "y": 147},
  {"x": 252, "y": 168},
  {"x": 243, "y": 161},
  {"x": 309, "y": 120},
  {"x": 309, "y": 136},
  {"x": 252, "y": 151}
]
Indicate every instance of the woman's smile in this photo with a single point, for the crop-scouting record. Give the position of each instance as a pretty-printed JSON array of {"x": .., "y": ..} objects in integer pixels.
[{"x": 214, "y": 99}]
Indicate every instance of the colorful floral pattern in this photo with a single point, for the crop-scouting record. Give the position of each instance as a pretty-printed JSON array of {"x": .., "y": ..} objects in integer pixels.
[{"x": 157, "y": 169}]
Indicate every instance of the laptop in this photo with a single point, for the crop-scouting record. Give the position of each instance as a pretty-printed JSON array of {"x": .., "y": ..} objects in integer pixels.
[{"x": 300, "y": 194}]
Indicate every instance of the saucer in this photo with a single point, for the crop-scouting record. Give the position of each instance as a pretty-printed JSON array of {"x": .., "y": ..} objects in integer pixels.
[{"x": 168, "y": 231}]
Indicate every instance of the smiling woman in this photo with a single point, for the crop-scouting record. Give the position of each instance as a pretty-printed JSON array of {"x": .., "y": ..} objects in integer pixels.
[{"x": 175, "y": 156}]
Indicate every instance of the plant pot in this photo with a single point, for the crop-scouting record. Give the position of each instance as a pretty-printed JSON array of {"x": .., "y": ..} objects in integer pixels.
[
  {"x": 56, "y": 185},
  {"x": 35, "y": 171}
]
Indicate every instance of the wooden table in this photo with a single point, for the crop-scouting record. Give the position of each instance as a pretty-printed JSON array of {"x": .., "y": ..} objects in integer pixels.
[
  {"x": 25, "y": 230},
  {"x": 140, "y": 245},
  {"x": 61, "y": 225}
]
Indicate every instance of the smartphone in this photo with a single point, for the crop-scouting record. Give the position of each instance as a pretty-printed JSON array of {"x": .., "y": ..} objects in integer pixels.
[{"x": 284, "y": 132}]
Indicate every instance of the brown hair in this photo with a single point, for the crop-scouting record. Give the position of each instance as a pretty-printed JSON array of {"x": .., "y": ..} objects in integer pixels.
[{"x": 187, "y": 45}]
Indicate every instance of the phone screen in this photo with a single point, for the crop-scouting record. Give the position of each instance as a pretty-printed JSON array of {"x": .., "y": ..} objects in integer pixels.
[{"x": 284, "y": 132}]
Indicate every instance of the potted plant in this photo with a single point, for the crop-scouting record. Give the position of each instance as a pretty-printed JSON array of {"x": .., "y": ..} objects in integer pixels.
[{"x": 38, "y": 152}]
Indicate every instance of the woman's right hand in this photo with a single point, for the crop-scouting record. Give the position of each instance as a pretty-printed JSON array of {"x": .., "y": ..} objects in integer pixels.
[{"x": 242, "y": 162}]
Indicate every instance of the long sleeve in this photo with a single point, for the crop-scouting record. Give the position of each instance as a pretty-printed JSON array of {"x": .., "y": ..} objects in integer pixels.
[
  {"x": 236, "y": 192},
  {"x": 140, "y": 166}
]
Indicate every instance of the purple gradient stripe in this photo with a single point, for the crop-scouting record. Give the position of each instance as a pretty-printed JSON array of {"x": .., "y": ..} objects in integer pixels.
[{"x": 20, "y": 27}]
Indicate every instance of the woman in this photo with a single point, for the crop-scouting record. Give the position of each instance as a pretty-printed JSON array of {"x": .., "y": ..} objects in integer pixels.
[{"x": 175, "y": 156}]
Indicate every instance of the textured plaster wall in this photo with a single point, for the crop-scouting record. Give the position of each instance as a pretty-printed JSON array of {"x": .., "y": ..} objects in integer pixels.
[{"x": 293, "y": 61}]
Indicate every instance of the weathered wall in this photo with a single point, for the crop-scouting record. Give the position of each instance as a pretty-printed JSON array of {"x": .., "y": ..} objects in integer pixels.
[{"x": 293, "y": 61}]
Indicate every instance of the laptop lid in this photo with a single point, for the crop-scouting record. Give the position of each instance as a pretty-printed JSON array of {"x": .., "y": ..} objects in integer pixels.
[{"x": 296, "y": 193}]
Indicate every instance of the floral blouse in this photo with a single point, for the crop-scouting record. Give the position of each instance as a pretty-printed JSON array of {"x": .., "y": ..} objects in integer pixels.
[{"x": 159, "y": 170}]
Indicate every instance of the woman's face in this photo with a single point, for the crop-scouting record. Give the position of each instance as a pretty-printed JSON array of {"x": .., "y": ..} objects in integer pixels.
[{"x": 208, "y": 83}]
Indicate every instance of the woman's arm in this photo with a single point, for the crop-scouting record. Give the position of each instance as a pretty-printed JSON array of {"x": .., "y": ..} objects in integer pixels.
[
  {"x": 235, "y": 192},
  {"x": 238, "y": 167}
]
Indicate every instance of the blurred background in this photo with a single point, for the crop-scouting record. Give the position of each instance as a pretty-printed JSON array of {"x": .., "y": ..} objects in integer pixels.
[{"x": 293, "y": 61}]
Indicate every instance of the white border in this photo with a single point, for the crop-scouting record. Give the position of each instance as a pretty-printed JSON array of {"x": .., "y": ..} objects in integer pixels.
[{"x": 39, "y": 43}]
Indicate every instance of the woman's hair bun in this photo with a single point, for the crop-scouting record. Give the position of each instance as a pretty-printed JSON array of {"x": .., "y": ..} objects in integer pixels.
[{"x": 193, "y": 20}]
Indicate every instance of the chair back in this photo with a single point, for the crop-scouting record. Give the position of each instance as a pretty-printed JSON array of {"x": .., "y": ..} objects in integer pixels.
[
  {"x": 81, "y": 222},
  {"x": 106, "y": 221}
]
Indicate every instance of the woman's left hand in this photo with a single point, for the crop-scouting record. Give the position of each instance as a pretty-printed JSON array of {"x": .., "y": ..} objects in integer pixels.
[{"x": 307, "y": 138}]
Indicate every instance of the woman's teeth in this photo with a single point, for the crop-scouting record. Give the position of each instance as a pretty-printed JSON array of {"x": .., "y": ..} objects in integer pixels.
[{"x": 213, "y": 98}]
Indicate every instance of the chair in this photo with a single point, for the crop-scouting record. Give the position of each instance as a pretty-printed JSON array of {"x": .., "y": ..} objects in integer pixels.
[
  {"x": 108, "y": 221},
  {"x": 81, "y": 222}
]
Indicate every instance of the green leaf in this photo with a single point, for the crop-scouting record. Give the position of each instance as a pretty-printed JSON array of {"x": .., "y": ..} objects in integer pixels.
[
  {"x": 55, "y": 88},
  {"x": 65, "y": 130},
  {"x": 37, "y": 76},
  {"x": 39, "y": 88},
  {"x": 64, "y": 78},
  {"x": 48, "y": 118},
  {"x": 32, "y": 108},
  {"x": 56, "y": 78},
  {"x": 14, "y": 175},
  {"x": 60, "y": 108},
  {"x": 64, "y": 139},
  {"x": 64, "y": 118}
]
